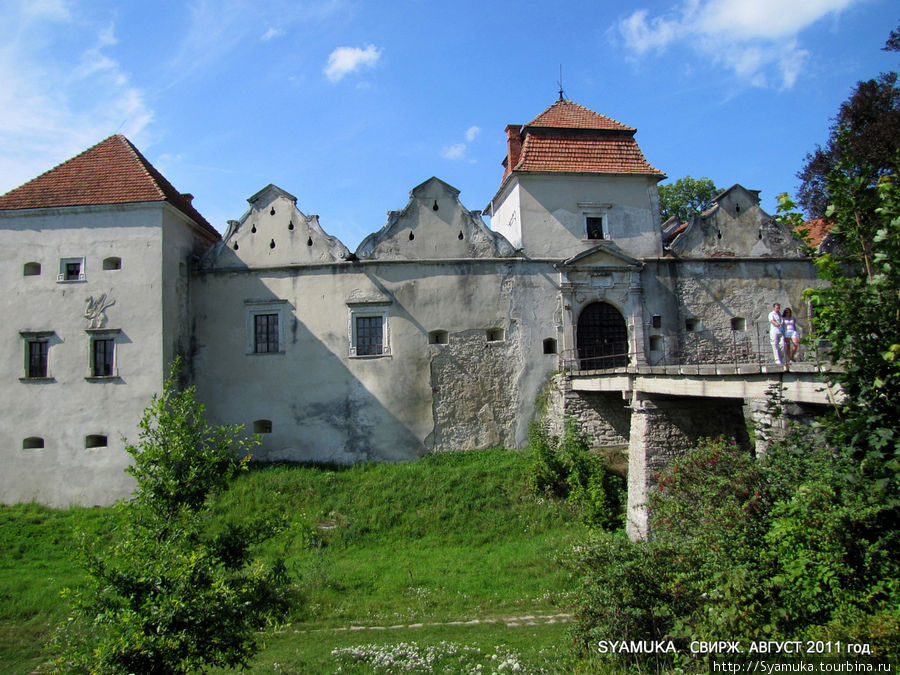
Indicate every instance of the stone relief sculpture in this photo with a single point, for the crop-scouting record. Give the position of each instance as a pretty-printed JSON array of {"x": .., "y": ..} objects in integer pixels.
[{"x": 95, "y": 310}]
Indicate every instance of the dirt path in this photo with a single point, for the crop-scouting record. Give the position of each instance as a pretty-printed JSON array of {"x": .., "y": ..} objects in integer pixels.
[{"x": 510, "y": 621}]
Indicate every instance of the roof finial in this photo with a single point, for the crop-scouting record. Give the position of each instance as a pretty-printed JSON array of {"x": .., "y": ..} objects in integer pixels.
[{"x": 562, "y": 96}]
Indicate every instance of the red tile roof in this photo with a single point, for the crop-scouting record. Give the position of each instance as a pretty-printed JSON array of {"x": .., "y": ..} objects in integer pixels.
[
  {"x": 569, "y": 153},
  {"x": 569, "y": 138},
  {"x": 569, "y": 115},
  {"x": 111, "y": 172},
  {"x": 818, "y": 228}
]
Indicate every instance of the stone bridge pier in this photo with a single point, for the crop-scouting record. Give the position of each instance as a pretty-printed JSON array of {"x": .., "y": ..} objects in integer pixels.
[
  {"x": 661, "y": 413},
  {"x": 664, "y": 427}
]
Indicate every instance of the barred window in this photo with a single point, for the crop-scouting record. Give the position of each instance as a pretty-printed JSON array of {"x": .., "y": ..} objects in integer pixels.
[
  {"x": 369, "y": 335},
  {"x": 265, "y": 333}
]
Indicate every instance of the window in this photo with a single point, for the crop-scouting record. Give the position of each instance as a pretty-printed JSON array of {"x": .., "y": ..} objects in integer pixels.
[
  {"x": 33, "y": 443},
  {"x": 265, "y": 333},
  {"x": 691, "y": 325},
  {"x": 494, "y": 334},
  {"x": 95, "y": 441},
  {"x": 71, "y": 269},
  {"x": 31, "y": 269},
  {"x": 103, "y": 355},
  {"x": 738, "y": 323},
  {"x": 262, "y": 427},
  {"x": 112, "y": 264},
  {"x": 369, "y": 330},
  {"x": 656, "y": 321},
  {"x": 265, "y": 326},
  {"x": 656, "y": 343},
  {"x": 596, "y": 227},
  {"x": 550, "y": 346},
  {"x": 37, "y": 354},
  {"x": 369, "y": 335},
  {"x": 37, "y": 358},
  {"x": 103, "y": 352},
  {"x": 438, "y": 337}
]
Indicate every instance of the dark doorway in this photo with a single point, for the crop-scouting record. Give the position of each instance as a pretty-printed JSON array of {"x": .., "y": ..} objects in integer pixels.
[{"x": 602, "y": 337}]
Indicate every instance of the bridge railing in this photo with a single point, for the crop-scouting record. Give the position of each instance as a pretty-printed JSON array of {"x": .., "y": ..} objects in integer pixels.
[{"x": 751, "y": 345}]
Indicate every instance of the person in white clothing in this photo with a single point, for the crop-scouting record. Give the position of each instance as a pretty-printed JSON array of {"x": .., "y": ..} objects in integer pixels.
[
  {"x": 776, "y": 333},
  {"x": 791, "y": 335}
]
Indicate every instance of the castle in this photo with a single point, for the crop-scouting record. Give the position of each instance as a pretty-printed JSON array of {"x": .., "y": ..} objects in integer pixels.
[{"x": 438, "y": 333}]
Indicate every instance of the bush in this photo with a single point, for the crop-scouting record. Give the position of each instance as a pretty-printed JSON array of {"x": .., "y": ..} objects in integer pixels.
[
  {"x": 176, "y": 592},
  {"x": 567, "y": 469}
]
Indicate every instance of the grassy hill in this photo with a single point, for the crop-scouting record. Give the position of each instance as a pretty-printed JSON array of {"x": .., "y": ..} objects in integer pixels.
[{"x": 449, "y": 560}]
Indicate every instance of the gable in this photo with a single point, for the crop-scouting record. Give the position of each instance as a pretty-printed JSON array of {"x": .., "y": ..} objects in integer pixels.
[
  {"x": 434, "y": 225},
  {"x": 604, "y": 254},
  {"x": 274, "y": 232}
]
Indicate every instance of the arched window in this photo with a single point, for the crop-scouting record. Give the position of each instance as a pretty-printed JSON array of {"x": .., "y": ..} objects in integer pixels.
[
  {"x": 602, "y": 337},
  {"x": 550, "y": 346},
  {"x": 33, "y": 443},
  {"x": 31, "y": 269},
  {"x": 112, "y": 263}
]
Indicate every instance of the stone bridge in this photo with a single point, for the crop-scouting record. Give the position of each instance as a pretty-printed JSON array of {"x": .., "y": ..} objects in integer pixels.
[{"x": 661, "y": 412}]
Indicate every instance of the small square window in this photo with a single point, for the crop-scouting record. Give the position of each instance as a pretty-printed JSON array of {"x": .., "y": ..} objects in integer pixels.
[
  {"x": 112, "y": 263},
  {"x": 71, "y": 269},
  {"x": 438, "y": 337},
  {"x": 596, "y": 227},
  {"x": 31, "y": 269},
  {"x": 738, "y": 323},
  {"x": 656, "y": 321},
  {"x": 494, "y": 334},
  {"x": 691, "y": 325}
]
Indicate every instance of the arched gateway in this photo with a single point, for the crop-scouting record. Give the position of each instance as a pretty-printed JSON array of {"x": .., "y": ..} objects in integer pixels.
[{"x": 602, "y": 337}]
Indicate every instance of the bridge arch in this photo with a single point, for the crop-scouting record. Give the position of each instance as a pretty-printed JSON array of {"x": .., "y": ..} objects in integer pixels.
[{"x": 601, "y": 337}]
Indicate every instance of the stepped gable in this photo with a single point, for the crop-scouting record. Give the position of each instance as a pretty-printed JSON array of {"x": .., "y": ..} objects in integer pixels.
[
  {"x": 111, "y": 172},
  {"x": 569, "y": 138}
]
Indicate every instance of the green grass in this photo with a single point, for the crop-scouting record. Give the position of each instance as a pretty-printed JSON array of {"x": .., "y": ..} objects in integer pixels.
[{"x": 450, "y": 537}]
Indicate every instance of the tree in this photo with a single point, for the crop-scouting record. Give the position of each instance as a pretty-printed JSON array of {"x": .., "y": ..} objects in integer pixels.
[
  {"x": 863, "y": 142},
  {"x": 177, "y": 590},
  {"x": 686, "y": 196}
]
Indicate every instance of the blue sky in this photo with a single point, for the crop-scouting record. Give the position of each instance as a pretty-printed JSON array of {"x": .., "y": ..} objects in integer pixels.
[{"x": 350, "y": 104}]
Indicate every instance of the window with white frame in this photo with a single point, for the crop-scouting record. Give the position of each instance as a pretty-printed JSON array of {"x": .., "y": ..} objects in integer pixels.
[
  {"x": 71, "y": 269},
  {"x": 103, "y": 352},
  {"x": 369, "y": 330},
  {"x": 596, "y": 224},
  {"x": 265, "y": 326},
  {"x": 37, "y": 354}
]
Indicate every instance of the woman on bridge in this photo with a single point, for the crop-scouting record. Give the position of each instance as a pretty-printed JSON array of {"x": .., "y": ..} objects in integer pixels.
[{"x": 791, "y": 335}]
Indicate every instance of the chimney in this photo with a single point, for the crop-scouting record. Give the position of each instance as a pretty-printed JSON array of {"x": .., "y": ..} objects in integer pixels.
[
  {"x": 188, "y": 197},
  {"x": 513, "y": 147}
]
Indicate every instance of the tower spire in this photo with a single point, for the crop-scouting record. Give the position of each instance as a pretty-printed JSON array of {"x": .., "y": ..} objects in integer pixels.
[{"x": 562, "y": 93}]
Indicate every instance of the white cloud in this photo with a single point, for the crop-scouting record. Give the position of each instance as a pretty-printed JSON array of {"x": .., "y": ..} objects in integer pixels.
[
  {"x": 62, "y": 89},
  {"x": 345, "y": 60},
  {"x": 455, "y": 151},
  {"x": 471, "y": 133},
  {"x": 757, "y": 40},
  {"x": 272, "y": 33}
]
